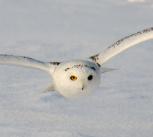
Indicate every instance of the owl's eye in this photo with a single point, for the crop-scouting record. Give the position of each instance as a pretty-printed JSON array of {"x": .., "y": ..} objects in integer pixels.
[
  {"x": 90, "y": 77},
  {"x": 73, "y": 78}
]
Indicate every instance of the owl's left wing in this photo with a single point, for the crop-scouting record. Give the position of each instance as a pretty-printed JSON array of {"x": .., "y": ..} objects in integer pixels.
[
  {"x": 28, "y": 62},
  {"x": 122, "y": 45}
]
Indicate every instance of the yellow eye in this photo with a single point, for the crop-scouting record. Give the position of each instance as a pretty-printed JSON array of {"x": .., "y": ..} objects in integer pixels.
[{"x": 73, "y": 78}]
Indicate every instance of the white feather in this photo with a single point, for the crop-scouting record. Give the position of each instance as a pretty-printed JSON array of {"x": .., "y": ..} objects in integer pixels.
[
  {"x": 27, "y": 62},
  {"x": 122, "y": 45}
]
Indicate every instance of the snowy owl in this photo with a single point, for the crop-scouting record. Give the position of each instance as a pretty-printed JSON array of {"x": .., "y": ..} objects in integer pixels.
[{"x": 79, "y": 77}]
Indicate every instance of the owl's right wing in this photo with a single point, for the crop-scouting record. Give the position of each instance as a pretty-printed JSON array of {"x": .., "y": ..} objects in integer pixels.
[{"x": 28, "y": 62}]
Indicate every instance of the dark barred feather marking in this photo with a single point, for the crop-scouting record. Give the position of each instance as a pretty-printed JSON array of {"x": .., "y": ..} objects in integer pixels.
[{"x": 55, "y": 63}]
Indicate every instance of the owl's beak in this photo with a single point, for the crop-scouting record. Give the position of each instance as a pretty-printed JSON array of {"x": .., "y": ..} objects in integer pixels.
[{"x": 82, "y": 87}]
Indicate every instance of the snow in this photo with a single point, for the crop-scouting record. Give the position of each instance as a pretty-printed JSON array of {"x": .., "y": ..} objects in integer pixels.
[
  {"x": 137, "y": 1},
  {"x": 147, "y": 3},
  {"x": 64, "y": 29}
]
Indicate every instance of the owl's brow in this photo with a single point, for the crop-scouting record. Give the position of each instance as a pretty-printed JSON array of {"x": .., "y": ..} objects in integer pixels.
[{"x": 80, "y": 66}]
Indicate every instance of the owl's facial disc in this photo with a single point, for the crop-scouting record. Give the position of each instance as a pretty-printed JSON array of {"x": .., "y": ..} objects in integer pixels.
[{"x": 76, "y": 78}]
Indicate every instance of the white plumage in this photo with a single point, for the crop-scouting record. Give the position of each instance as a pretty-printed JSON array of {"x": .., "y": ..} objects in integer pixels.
[
  {"x": 123, "y": 44},
  {"x": 79, "y": 77}
]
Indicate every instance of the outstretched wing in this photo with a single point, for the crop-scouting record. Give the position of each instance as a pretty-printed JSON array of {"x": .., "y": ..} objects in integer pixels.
[
  {"x": 123, "y": 44},
  {"x": 28, "y": 62}
]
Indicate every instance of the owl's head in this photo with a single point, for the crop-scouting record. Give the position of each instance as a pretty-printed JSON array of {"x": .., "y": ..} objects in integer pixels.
[{"x": 76, "y": 78}]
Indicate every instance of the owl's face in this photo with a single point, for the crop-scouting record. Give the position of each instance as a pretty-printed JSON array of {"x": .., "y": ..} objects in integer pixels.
[{"x": 76, "y": 78}]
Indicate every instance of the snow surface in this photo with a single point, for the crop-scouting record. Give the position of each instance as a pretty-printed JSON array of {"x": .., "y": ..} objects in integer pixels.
[
  {"x": 137, "y": 1},
  {"x": 55, "y": 30}
]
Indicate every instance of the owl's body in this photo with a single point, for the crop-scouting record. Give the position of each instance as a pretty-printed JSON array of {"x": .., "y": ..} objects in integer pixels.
[
  {"x": 80, "y": 69},
  {"x": 79, "y": 77}
]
